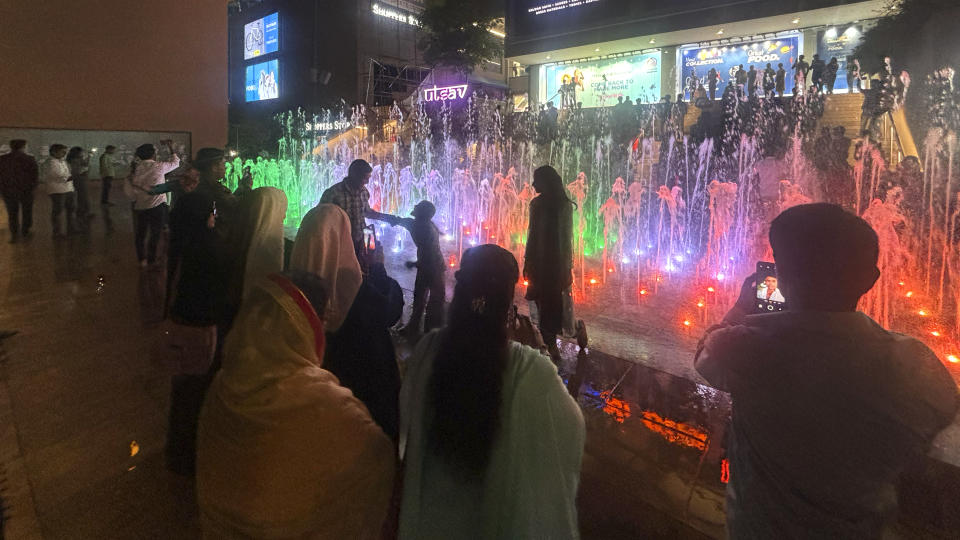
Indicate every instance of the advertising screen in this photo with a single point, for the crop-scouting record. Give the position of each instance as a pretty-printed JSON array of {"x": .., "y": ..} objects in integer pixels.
[
  {"x": 600, "y": 82},
  {"x": 261, "y": 36},
  {"x": 263, "y": 81},
  {"x": 838, "y": 43},
  {"x": 695, "y": 63}
]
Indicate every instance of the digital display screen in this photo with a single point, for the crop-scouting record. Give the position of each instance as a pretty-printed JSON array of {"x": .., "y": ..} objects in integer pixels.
[
  {"x": 838, "y": 43},
  {"x": 261, "y": 36},
  {"x": 696, "y": 63},
  {"x": 263, "y": 81},
  {"x": 769, "y": 290},
  {"x": 599, "y": 83}
]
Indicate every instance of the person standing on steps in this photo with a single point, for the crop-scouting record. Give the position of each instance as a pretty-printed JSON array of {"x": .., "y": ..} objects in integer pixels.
[
  {"x": 781, "y": 80},
  {"x": 55, "y": 177},
  {"x": 108, "y": 171},
  {"x": 713, "y": 78},
  {"x": 19, "y": 176}
]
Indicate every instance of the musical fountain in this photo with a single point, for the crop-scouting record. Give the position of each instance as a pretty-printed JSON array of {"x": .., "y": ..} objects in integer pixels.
[{"x": 667, "y": 224}]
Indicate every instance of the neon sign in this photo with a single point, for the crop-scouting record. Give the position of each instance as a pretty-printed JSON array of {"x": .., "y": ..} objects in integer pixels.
[
  {"x": 395, "y": 15},
  {"x": 445, "y": 93}
]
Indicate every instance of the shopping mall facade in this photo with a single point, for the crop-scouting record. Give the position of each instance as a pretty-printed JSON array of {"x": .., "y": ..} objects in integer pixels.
[{"x": 606, "y": 49}]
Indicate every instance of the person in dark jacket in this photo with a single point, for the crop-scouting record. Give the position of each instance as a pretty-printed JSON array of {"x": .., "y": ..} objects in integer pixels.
[
  {"x": 200, "y": 256},
  {"x": 19, "y": 176},
  {"x": 548, "y": 260}
]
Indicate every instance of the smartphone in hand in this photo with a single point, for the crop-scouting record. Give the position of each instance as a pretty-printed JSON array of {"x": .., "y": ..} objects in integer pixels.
[{"x": 769, "y": 296}]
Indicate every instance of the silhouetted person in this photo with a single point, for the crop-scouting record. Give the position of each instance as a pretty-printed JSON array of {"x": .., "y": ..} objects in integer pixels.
[
  {"x": 769, "y": 81},
  {"x": 830, "y": 74},
  {"x": 19, "y": 176},
  {"x": 741, "y": 78},
  {"x": 781, "y": 80},
  {"x": 548, "y": 260},
  {"x": 108, "y": 171},
  {"x": 712, "y": 79},
  {"x": 429, "y": 289},
  {"x": 79, "y": 163},
  {"x": 828, "y": 406},
  {"x": 800, "y": 68},
  {"x": 751, "y": 81},
  {"x": 817, "y": 68}
]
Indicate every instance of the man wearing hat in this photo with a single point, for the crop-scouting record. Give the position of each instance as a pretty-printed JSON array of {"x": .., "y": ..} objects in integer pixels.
[
  {"x": 352, "y": 196},
  {"x": 204, "y": 224}
]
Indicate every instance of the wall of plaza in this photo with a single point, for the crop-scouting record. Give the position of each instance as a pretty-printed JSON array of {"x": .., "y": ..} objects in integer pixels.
[{"x": 116, "y": 65}]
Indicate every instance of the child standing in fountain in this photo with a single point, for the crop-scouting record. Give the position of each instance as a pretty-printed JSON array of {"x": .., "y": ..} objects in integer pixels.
[{"x": 429, "y": 291}]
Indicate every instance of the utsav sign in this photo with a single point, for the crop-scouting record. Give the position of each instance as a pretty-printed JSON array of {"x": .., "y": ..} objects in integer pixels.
[{"x": 444, "y": 93}]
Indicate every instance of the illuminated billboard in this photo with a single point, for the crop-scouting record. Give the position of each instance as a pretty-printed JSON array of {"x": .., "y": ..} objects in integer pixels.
[
  {"x": 696, "y": 62},
  {"x": 263, "y": 81},
  {"x": 838, "y": 43},
  {"x": 596, "y": 83},
  {"x": 261, "y": 36}
]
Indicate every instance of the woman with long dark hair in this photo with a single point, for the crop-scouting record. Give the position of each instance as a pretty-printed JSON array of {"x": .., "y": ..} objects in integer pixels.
[
  {"x": 548, "y": 261},
  {"x": 490, "y": 438}
]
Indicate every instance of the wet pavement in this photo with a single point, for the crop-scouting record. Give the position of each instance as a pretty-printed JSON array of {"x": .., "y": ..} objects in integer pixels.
[{"x": 83, "y": 409}]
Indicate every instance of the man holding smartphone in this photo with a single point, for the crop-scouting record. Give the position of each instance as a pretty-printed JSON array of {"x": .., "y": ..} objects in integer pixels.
[{"x": 828, "y": 406}]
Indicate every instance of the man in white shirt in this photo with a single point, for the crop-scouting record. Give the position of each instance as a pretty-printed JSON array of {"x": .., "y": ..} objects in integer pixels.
[
  {"x": 55, "y": 177},
  {"x": 150, "y": 210},
  {"x": 828, "y": 406}
]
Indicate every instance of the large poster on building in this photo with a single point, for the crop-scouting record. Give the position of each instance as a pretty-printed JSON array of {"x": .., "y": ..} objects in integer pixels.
[
  {"x": 696, "y": 62},
  {"x": 839, "y": 43},
  {"x": 600, "y": 82},
  {"x": 263, "y": 81},
  {"x": 261, "y": 36}
]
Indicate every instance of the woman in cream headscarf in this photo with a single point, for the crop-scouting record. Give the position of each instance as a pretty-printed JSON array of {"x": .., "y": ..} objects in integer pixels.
[
  {"x": 360, "y": 312},
  {"x": 284, "y": 451},
  {"x": 262, "y": 237}
]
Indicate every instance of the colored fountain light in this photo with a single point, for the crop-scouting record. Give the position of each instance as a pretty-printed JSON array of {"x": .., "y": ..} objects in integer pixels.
[{"x": 667, "y": 218}]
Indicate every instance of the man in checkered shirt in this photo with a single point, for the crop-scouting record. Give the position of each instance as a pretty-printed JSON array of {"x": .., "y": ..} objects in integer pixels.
[{"x": 352, "y": 196}]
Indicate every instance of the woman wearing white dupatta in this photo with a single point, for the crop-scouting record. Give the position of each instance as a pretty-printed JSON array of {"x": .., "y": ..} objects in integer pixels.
[
  {"x": 284, "y": 451},
  {"x": 490, "y": 438}
]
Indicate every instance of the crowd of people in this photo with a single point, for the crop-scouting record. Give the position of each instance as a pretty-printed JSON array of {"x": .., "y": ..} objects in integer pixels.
[{"x": 289, "y": 407}]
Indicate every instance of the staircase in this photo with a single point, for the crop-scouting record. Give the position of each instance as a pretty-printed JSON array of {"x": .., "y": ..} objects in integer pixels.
[{"x": 844, "y": 110}]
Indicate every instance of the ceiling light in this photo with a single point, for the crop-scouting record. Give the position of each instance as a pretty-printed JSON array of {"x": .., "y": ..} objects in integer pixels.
[
  {"x": 720, "y": 32},
  {"x": 652, "y": 40},
  {"x": 548, "y": 57},
  {"x": 597, "y": 49},
  {"x": 796, "y": 21}
]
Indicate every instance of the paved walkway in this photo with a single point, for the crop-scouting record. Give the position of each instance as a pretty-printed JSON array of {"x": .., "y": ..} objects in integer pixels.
[
  {"x": 83, "y": 405},
  {"x": 82, "y": 408}
]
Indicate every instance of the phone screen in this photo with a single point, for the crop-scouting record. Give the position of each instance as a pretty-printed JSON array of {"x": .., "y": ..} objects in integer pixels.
[{"x": 769, "y": 296}]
